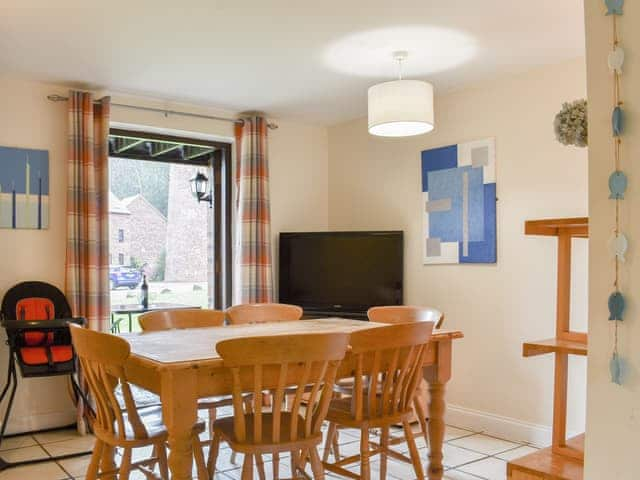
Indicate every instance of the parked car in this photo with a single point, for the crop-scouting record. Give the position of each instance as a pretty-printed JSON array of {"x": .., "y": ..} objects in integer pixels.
[{"x": 120, "y": 276}]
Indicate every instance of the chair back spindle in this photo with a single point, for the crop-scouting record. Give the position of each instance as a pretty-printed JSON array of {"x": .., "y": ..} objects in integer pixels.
[{"x": 388, "y": 368}]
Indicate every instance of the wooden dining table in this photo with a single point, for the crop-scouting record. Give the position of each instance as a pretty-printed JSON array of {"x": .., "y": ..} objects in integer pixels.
[{"x": 182, "y": 366}]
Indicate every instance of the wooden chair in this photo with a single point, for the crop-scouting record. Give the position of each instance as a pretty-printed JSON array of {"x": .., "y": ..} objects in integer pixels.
[
  {"x": 393, "y": 314},
  {"x": 277, "y": 363},
  {"x": 388, "y": 368},
  {"x": 404, "y": 314},
  {"x": 191, "y": 318},
  {"x": 102, "y": 357},
  {"x": 178, "y": 319},
  {"x": 263, "y": 313}
]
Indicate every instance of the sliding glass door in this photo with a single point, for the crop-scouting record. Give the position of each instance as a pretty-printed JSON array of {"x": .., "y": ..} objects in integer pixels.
[{"x": 169, "y": 221}]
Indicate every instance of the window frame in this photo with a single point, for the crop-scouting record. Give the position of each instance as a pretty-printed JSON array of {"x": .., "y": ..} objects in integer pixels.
[{"x": 219, "y": 165}]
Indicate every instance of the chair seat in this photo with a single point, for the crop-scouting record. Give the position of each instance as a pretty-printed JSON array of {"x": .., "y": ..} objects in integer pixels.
[
  {"x": 145, "y": 398},
  {"x": 39, "y": 356},
  {"x": 344, "y": 386},
  {"x": 340, "y": 412},
  {"x": 151, "y": 418},
  {"x": 224, "y": 428},
  {"x": 215, "y": 402}
]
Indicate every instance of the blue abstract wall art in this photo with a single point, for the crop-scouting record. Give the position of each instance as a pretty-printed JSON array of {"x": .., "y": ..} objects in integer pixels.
[
  {"x": 459, "y": 203},
  {"x": 24, "y": 188}
]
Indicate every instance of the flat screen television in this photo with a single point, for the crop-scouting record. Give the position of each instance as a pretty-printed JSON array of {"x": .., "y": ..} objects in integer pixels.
[{"x": 342, "y": 273}]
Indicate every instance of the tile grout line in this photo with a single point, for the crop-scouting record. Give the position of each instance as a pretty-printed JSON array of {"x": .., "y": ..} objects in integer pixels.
[
  {"x": 471, "y": 474},
  {"x": 487, "y": 456},
  {"x": 461, "y": 437},
  {"x": 42, "y": 446}
]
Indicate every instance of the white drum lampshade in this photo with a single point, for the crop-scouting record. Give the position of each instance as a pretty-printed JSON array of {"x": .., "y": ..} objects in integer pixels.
[{"x": 401, "y": 108}]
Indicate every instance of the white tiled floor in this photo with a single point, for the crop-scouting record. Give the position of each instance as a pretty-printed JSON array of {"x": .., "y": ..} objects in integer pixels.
[{"x": 467, "y": 456}]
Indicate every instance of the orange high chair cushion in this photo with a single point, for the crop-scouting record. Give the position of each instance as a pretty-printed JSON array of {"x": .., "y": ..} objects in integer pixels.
[
  {"x": 36, "y": 308},
  {"x": 38, "y": 355}
]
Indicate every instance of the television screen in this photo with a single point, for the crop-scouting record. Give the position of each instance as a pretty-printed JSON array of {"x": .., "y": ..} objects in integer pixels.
[{"x": 332, "y": 272}]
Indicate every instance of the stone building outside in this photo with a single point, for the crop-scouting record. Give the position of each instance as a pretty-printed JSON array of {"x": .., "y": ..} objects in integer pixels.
[
  {"x": 187, "y": 225},
  {"x": 172, "y": 248},
  {"x": 137, "y": 233},
  {"x": 147, "y": 231},
  {"x": 119, "y": 232}
]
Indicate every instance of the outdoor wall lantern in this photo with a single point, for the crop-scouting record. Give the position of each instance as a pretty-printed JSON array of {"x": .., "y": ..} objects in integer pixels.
[{"x": 200, "y": 188}]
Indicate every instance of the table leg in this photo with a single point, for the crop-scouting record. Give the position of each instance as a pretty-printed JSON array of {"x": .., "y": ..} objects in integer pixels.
[
  {"x": 179, "y": 410},
  {"x": 436, "y": 429},
  {"x": 437, "y": 375},
  {"x": 130, "y": 323}
]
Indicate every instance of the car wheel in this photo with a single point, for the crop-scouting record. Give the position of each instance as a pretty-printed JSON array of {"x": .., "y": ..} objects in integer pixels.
[{"x": 131, "y": 287}]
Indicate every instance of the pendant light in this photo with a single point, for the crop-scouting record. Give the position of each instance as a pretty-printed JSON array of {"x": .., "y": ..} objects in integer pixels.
[{"x": 400, "y": 108}]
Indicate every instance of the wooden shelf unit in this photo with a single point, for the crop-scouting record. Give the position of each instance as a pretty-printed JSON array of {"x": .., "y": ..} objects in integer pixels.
[
  {"x": 544, "y": 464},
  {"x": 553, "y": 345},
  {"x": 564, "y": 460}
]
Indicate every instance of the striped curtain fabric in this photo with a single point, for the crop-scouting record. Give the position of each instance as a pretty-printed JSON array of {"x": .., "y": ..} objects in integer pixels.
[
  {"x": 253, "y": 278},
  {"x": 87, "y": 262}
]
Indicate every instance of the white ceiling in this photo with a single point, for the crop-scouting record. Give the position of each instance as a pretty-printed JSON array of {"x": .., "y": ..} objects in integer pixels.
[{"x": 311, "y": 60}]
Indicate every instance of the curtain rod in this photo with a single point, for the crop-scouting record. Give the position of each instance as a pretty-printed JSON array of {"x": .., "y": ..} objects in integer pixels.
[{"x": 271, "y": 126}]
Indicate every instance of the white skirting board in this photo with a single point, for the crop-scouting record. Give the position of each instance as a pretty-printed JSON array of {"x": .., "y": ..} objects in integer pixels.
[
  {"x": 40, "y": 421},
  {"x": 499, "y": 426}
]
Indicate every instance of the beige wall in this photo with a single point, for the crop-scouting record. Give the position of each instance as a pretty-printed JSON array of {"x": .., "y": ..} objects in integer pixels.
[
  {"x": 299, "y": 181},
  {"x": 299, "y": 201},
  {"x": 613, "y": 413},
  {"x": 28, "y": 120},
  {"x": 375, "y": 183}
]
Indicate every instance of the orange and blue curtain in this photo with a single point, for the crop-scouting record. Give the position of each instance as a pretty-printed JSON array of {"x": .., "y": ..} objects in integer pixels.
[
  {"x": 87, "y": 259},
  {"x": 253, "y": 277}
]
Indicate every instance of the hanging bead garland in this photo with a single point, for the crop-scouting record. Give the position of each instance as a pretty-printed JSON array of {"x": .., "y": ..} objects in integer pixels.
[{"x": 617, "y": 188}]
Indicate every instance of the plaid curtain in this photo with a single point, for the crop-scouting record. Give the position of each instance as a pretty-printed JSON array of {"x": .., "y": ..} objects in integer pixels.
[
  {"x": 253, "y": 282},
  {"x": 87, "y": 263}
]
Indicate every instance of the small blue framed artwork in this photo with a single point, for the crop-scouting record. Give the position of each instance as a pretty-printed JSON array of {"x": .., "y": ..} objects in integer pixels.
[
  {"x": 24, "y": 188},
  {"x": 459, "y": 203}
]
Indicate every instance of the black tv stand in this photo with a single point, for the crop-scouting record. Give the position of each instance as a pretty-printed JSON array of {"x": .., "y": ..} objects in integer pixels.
[{"x": 312, "y": 314}]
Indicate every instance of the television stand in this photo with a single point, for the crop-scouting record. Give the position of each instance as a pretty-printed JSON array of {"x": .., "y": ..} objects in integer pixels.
[{"x": 311, "y": 314}]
